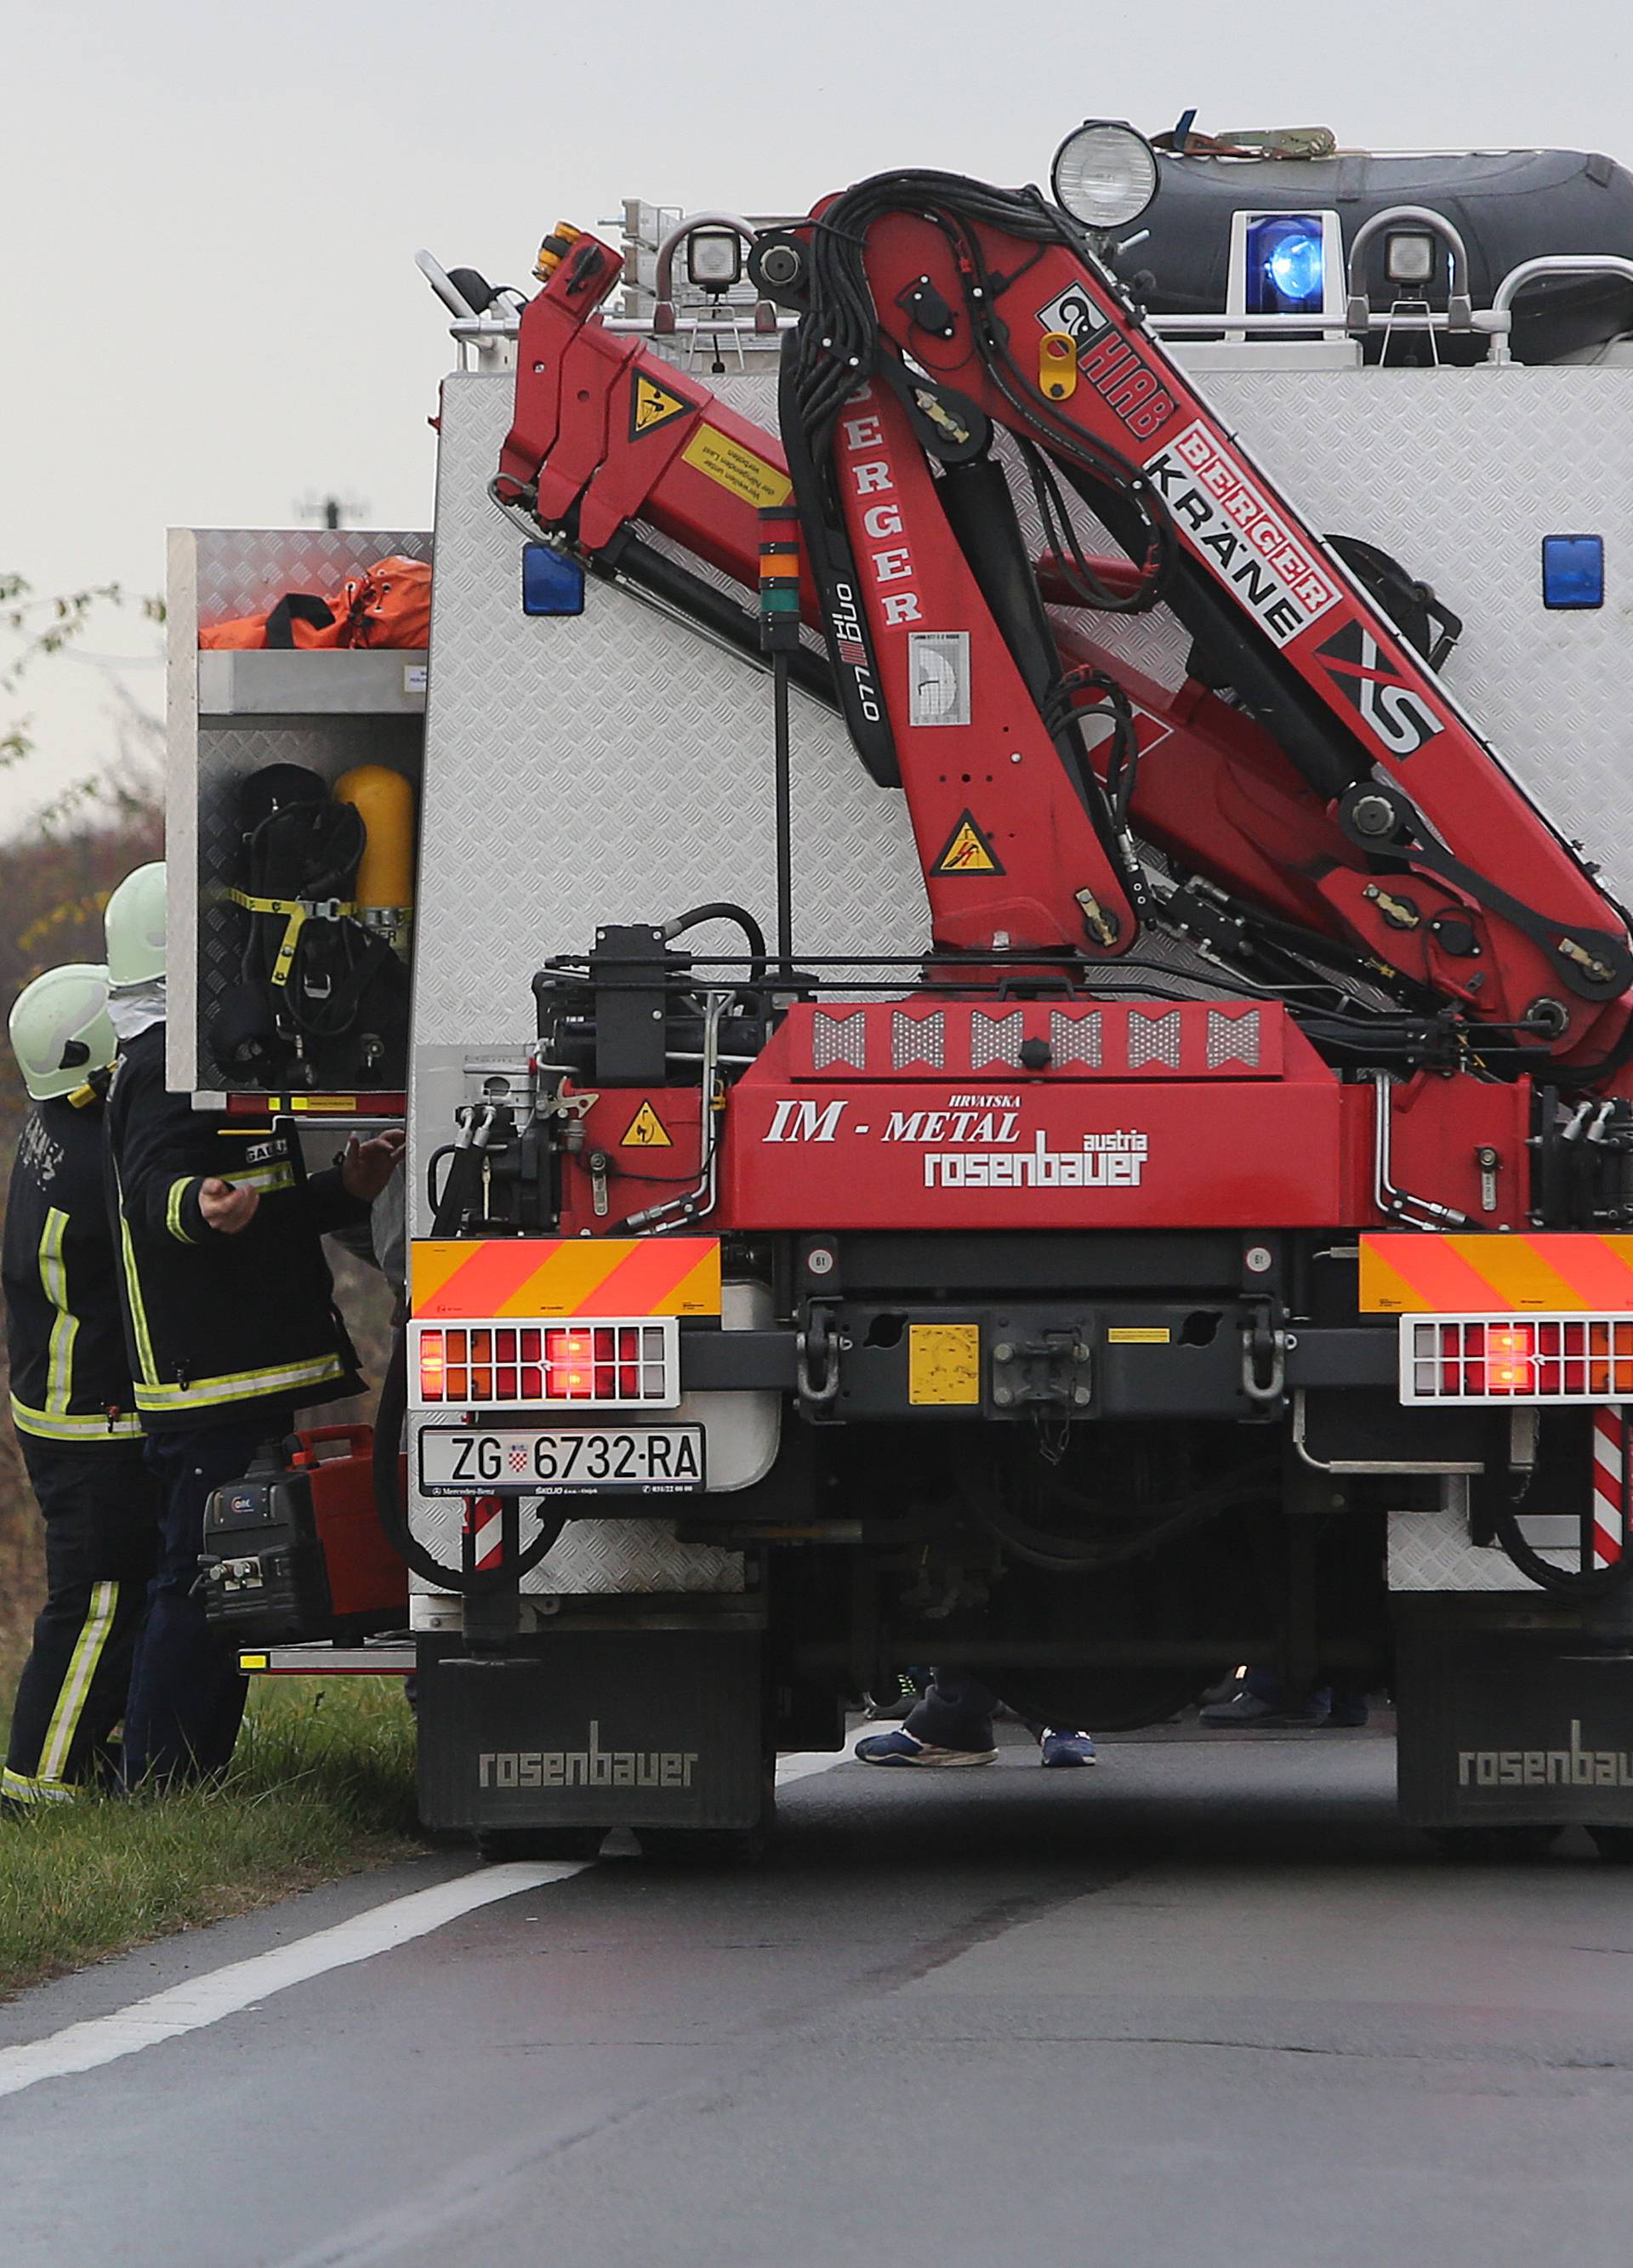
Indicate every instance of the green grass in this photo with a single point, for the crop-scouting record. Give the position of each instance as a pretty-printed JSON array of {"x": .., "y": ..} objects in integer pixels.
[{"x": 322, "y": 1785}]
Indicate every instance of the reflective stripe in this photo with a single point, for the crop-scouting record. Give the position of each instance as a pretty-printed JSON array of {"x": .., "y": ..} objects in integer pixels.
[
  {"x": 54, "y": 1283},
  {"x": 20, "y": 1789},
  {"x": 125, "y": 1427},
  {"x": 265, "y": 1178},
  {"x": 70, "y": 1701},
  {"x": 133, "y": 1287},
  {"x": 173, "y": 1210},
  {"x": 239, "y": 1385}
]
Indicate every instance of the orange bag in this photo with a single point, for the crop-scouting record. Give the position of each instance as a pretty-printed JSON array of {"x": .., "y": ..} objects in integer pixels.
[{"x": 386, "y": 604}]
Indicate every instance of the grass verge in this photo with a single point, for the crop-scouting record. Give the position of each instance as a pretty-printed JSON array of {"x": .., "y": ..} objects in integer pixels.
[{"x": 322, "y": 1785}]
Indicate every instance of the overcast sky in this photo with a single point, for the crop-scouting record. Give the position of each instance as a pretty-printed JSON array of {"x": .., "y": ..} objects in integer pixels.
[{"x": 210, "y": 208}]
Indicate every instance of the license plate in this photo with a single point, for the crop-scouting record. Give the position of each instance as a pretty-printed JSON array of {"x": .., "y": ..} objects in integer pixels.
[{"x": 494, "y": 1461}]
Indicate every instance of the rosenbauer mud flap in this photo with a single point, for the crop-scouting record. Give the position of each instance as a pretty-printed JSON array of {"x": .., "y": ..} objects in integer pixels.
[
  {"x": 1510, "y": 1716},
  {"x": 654, "y": 1728}
]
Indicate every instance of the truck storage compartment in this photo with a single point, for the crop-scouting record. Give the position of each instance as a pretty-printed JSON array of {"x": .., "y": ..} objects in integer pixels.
[{"x": 295, "y": 783}]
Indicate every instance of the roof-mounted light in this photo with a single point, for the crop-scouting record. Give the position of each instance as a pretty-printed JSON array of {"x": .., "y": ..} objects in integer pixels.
[{"x": 1105, "y": 173}]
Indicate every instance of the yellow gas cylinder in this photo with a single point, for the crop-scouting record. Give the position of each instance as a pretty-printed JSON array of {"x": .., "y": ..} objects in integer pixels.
[{"x": 384, "y": 803}]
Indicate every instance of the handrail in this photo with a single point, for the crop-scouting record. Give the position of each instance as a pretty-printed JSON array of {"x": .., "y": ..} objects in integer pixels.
[
  {"x": 1459, "y": 312},
  {"x": 1552, "y": 263}
]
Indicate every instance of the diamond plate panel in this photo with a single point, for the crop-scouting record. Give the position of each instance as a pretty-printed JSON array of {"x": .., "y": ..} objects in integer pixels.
[
  {"x": 612, "y": 768},
  {"x": 1461, "y": 473},
  {"x": 1430, "y": 1551}
]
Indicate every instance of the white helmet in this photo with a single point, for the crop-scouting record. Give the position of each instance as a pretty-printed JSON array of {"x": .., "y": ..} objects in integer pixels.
[
  {"x": 135, "y": 926},
  {"x": 60, "y": 1031}
]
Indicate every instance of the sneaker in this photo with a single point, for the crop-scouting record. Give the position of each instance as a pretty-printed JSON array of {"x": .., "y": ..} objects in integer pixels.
[
  {"x": 1348, "y": 1713},
  {"x": 1248, "y": 1709},
  {"x": 901, "y": 1748},
  {"x": 1055, "y": 1748}
]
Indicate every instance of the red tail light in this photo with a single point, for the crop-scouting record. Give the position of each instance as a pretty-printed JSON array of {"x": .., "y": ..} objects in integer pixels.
[
  {"x": 520, "y": 1365},
  {"x": 1511, "y": 1358}
]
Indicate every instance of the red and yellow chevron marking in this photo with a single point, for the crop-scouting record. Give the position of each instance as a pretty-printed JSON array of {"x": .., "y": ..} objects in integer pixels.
[
  {"x": 1411, "y": 1274},
  {"x": 562, "y": 1276}
]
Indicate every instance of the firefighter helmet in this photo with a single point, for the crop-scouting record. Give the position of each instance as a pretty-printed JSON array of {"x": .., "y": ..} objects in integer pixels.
[
  {"x": 60, "y": 1030},
  {"x": 135, "y": 923}
]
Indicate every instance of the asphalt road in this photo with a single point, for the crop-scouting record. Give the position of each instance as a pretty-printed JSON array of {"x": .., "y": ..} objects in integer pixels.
[{"x": 1209, "y": 2003}]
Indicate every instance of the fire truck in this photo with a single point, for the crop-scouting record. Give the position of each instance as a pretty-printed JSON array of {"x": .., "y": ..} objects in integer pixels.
[{"x": 1006, "y": 1065}]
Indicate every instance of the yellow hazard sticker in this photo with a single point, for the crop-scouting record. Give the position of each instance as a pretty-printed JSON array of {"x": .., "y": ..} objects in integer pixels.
[
  {"x": 945, "y": 1363},
  {"x": 646, "y": 1131},
  {"x": 720, "y": 459},
  {"x": 652, "y": 405},
  {"x": 968, "y": 851},
  {"x": 1139, "y": 1335}
]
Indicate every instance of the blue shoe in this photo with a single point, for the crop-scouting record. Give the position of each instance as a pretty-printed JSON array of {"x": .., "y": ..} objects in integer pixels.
[
  {"x": 901, "y": 1748},
  {"x": 1064, "y": 1748}
]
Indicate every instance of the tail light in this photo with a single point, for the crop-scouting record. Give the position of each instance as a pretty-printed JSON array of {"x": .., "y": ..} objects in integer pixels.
[
  {"x": 625, "y": 1364},
  {"x": 1536, "y": 1359}
]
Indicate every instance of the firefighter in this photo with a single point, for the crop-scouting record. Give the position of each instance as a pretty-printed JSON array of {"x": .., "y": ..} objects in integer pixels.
[
  {"x": 230, "y": 1323},
  {"x": 70, "y": 1397}
]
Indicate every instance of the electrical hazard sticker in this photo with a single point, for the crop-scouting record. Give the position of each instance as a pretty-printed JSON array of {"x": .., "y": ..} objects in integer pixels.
[
  {"x": 652, "y": 405},
  {"x": 646, "y": 1131},
  {"x": 968, "y": 851},
  {"x": 730, "y": 466}
]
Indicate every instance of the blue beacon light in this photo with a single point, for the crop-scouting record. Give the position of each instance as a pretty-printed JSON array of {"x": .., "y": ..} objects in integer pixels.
[{"x": 1286, "y": 266}]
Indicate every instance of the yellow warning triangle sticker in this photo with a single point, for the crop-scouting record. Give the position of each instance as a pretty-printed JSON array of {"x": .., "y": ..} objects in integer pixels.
[
  {"x": 652, "y": 405},
  {"x": 645, "y": 1132},
  {"x": 968, "y": 851}
]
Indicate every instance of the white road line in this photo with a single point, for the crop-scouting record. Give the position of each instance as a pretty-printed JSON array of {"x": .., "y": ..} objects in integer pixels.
[{"x": 204, "y": 2000}]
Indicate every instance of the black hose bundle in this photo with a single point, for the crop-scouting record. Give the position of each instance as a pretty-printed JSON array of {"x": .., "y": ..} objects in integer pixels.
[{"x": 837, "y": 346}]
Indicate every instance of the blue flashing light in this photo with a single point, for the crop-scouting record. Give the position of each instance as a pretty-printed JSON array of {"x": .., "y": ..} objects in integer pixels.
[
  {"x": 1286, "y": 265},
  {"x": 1573, "y": 571},
  {"x": 552, "y": 584}
]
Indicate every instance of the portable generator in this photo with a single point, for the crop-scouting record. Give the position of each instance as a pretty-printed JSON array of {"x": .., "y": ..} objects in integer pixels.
[{"x": 295, "y": 1549}]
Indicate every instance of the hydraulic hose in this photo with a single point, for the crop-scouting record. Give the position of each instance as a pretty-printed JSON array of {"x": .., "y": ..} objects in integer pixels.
[
  {"x": 723, "y": 910},
  {"x": 472, "y": 1583},
  {"x": 1583, "y": 1583}
]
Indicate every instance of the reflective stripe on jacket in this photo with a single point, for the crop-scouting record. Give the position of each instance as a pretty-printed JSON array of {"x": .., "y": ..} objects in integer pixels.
[{"x": 71, "y": 1380}]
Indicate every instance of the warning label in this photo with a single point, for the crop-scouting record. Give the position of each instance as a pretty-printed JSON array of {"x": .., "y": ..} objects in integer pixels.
[
  {"x": 652, "y": 405},
  {"x": 968, "y": 851},
  {"x": 719, "y": 458},
  {"x": 645, "y": 1132}
]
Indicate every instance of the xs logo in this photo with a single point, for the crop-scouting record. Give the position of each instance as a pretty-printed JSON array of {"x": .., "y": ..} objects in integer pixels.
[{"x": 1398, "y": 718}]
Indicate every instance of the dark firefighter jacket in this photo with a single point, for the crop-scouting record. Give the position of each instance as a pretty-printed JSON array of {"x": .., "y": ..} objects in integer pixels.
[
  {"x": 70, "y": 1382},
  {"x": 219, "y": 1328}
]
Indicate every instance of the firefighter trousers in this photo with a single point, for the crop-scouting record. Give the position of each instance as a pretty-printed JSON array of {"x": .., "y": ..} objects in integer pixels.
[
  {"x": 186, "y": 1696},
  {"x": 100, "y": 1508}
]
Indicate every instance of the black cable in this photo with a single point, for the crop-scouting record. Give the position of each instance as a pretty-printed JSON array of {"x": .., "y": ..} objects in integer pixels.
[
  {"x": 724, "y": 909},
  {"x": 1565, "y": 1582}
]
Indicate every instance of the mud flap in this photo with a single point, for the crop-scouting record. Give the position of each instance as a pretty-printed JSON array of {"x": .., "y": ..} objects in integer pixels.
[
  {"x": 1511, "y": 1717},
  {"x": 654, "y": 1728}
]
